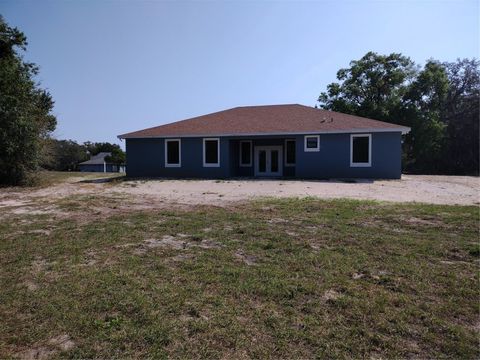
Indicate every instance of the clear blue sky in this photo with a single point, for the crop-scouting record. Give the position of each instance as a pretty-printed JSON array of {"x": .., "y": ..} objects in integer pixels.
[{"x": 117, "y": 66}]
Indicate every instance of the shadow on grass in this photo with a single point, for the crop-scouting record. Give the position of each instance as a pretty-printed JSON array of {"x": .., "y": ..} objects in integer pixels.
[
  {"x": 249, "y": 179},
  {"x": 111, "y": 179}
]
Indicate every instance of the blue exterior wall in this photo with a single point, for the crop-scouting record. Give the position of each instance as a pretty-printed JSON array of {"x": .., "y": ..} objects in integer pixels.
[
  {"x": 91, "y": 168},
  {"x": 146, "y": 158},
  {"x": 333, "y": 159}
]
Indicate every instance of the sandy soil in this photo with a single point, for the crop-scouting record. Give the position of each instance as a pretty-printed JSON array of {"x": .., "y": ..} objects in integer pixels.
[
  {"x": 427, "y": 189},
  {"x": 462, "y": 190}
]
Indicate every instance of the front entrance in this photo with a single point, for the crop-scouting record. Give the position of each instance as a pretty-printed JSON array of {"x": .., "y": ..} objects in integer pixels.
[{"x": 268, "y": 161}]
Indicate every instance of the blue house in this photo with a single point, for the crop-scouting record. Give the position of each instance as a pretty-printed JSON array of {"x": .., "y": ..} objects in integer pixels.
[
  {"x": 98, "y": 163},
  {"x": 293, "y": 141}
]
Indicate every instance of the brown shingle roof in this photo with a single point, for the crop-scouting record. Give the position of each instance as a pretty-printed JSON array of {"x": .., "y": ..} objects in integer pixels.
[{"x": 266, "y": 120}]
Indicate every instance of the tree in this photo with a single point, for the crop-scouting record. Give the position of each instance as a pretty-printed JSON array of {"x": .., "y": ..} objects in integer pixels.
[
  {"x": 422, "y": 108},
  {"x": 25, "y": 110},
  {"x": 64, "y": 155},
  {"x": 461, "y": 115},
  {"x": 440, "y": 102},
  {"x": 372, "y": 87},
  {"x": 118, "y": 155}
]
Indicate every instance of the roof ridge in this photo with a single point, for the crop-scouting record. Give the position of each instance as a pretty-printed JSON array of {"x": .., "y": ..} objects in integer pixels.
[{"x": 267, "y": 105}]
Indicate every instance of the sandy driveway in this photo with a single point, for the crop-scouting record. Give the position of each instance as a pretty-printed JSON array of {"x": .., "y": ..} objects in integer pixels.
[{"x": 411, "y": 188}]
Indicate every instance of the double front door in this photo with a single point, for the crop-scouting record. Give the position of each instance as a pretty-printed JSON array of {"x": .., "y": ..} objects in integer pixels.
[{"x": 268, "y": 161}]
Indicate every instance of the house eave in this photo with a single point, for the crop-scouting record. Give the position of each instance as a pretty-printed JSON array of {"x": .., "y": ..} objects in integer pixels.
[{"x": 402, "y": 129}]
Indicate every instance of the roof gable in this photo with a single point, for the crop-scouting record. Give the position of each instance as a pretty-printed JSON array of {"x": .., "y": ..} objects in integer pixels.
[{"x": 266, "y": 120}]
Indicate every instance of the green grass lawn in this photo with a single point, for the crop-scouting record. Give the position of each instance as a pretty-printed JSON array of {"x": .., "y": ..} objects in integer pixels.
[{"x": 270, "y": 279}]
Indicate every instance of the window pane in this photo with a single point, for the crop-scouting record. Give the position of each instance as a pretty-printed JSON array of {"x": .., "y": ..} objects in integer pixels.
[
  {"x": 312, "y": 142},
  {"x": 360, "y": 149},
  {"x": 245, "y": 153},
  {"x": 173, "y": 152},
  {"x": 274, "y": 160},
  {"x": 290, "y": 152},
  {"x": 211, "y": 153},
  {"x": 262, "y": 161}
]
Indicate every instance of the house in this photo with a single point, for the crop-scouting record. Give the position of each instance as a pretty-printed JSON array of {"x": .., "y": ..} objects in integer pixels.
[
  {"x": 97, "y": 163},
  {"x": 268, "y": 141}
]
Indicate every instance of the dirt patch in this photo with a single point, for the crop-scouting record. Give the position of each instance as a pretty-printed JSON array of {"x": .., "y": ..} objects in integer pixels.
[
  {"x": 63, "y": 342},
  {"x": 30, "y": 285},
  {"x": 332, "y": 295},
  {"x": 182, "y": 257},
  {"x": 419, "y": 221},
  {"x": 13, "y": 203},
  {"x": 178, "y": 242},
  {"x": 277, "y": 221},
  {"x": 33, "y": 210},
  {"x": 313, "y": 228},
  {"x": 167, "y": 241},
  {"x": 377, "y": 275},
  {"x": 208, "y": 244},
  {"x": 39, "y": 265},
  {"x": 46, "y": 351},
  {"x": 124, "y": 246},
  {"x": 40, "y": 232},
  {"x": 387, "y": 225},
  {"x": 193, "y": 315},
  {"x": 36, "y": 353},
  {"x": 90, "y": 258},
  {"x": 356, "y": 276},
  {"x": 247, "y": 259},
  {"x": 454, "y": 262}
]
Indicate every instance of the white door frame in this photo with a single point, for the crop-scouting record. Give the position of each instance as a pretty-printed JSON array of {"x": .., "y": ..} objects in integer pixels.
[{"x": 268, "y": 164}]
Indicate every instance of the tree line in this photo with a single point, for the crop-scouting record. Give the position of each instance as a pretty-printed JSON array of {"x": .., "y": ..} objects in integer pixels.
[{"x": 439, "y": 102}]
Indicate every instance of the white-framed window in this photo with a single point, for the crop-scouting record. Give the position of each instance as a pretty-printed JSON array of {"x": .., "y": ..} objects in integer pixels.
[
  {"x": 361, "y": 150},
  {"x": 211, "y": 152},
  {"x": 246, "y": 153},
  {"x": 312, "y": 143},
  {"x": 290, "y": 152},
  {"x": 173, "y": 153}
]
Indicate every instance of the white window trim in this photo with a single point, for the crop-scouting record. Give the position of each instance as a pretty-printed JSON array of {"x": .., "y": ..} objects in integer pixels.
[
  {"x": 179, "y": 153},
  {"x": 286, "y": 152},
  {"x": 311, "y": 149},
  {"x": 369, "y": 164},
  {"x": 251, "y": 153},
  {"x": 218, "y": 152}
]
